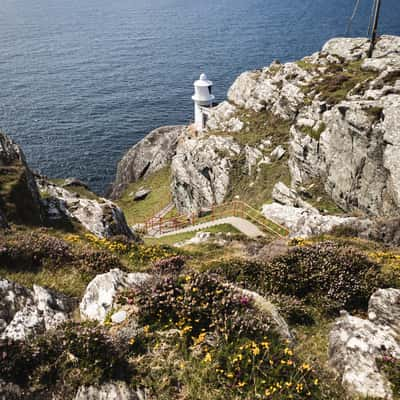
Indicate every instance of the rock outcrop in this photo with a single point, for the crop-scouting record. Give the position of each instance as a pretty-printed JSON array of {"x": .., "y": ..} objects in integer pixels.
[
  {"x": 304, "y": 222},
  {"x": 101, "y": 291},
  {"x": 201, "y": 172},
  {"x": 350, "y": 140},
  {"x": 101, "y": 217},
  {"x": 355, "y": 345},
  {"x": 107, "y": 391},
  {"x": 149, "y": 155},
  {"x": 25, "y": 312},
  {"x": 19, "y": 195}
]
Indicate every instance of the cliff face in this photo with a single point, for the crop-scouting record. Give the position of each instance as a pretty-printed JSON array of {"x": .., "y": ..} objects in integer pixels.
[
  {"x": 343, "y": 113},
  {"x": 152, "y": 153},
  {"x": 19, "y": 195},
  {"x": 331, "y": 118}
]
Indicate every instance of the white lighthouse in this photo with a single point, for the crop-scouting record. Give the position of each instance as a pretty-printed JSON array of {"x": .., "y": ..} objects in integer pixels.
[{"x": 202, "y": 98}]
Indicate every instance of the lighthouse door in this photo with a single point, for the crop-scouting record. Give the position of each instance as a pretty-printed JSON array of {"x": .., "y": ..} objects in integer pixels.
[{"x": 204, "y": 120}]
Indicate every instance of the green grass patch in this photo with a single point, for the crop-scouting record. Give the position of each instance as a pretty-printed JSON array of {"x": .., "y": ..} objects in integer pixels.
[
  {"x": 160, "y": 196},
  {"x": 256, "y": 190},
  {"x": 318, "y": 198}
]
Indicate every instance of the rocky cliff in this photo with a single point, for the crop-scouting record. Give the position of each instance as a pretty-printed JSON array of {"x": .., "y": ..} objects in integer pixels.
[
  {"x": 26, "y": 199},
  {"x": 331, "y": 118}
]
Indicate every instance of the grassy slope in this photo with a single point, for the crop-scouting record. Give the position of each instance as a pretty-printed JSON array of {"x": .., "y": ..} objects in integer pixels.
[{"x": 160, "y": 196}]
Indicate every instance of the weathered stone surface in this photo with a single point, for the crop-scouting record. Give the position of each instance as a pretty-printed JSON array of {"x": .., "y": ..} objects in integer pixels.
[
  {"x": 74, "y": 182},
  {"x": 107, "y": 391},
  {"x": 100, "y": 293},
  {"x": 141, "y": 194},
  {"x": 355, "y": 344},
  {"x": 201, "y": 172},
  {"x": 25, "y": 312},
  {"x": 355, "y": 152},
  {"x": 101, "y": 217},
  {"x": 273, "y": 89},
  {"x": 278, "y": 153},
  {"x": 149, "y": 155},
  {"x": 224, "y": 118},
  {"x": 21, "y": 202},
  {"x": 347, "y": 49},
  {"x": 289, "y": 197},
  {"x": 303, "y": 222}
]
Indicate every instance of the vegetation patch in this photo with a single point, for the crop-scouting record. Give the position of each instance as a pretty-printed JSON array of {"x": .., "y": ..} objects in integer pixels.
[
  {"x": 74, "y": 355},
  {"x": 139, "y": 211},
  {"x": 391, "y": 368},
  {"x": 223, "y": 346},
  {"x": 338, "y": 80},
  {"x": 326, "y": 276},
  {"x": 16, "y": 200}
]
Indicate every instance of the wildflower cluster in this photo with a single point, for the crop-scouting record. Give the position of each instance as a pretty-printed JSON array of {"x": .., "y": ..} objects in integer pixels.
[
  {"x": 114, "y": 246},
  {"x": 145, "y": 254},
  {"x": 172, "y": 265},
  {"x": 194, "y": 304},
  {"x": 29, "y": 251},
  {"x": 137, "y": 254},
  {"x": 264, "y": 369}
]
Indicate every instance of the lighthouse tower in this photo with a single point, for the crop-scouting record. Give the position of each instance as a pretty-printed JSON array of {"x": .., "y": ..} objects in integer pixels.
[{"x": 202, "y": 98}]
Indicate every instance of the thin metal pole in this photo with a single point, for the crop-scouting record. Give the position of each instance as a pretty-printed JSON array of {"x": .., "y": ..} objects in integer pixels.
[{"x": 374, "y": 27}]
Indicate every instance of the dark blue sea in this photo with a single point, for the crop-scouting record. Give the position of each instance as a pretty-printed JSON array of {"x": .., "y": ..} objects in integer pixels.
[{"x": 82, "y": 81}]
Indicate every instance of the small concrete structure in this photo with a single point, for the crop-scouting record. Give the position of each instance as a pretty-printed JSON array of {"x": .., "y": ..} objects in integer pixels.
[{"x": 203, "y": 98}]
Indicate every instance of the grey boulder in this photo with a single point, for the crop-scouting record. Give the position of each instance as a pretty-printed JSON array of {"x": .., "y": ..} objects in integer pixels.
[
  {"x": 355, "y": 344},
  {"x": 100, "y": 294},
  {"x": 107, "y": 391},
  {"x": 25, "y": 312}
]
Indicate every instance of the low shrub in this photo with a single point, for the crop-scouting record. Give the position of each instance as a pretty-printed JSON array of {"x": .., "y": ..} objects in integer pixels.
[
  {"x": 326, "y": 275},
  {"x": 169, "y": 266},
  {"x": 217, "y": 339},
  {"x": 294, "y": 310},
  {"x": 32, "y": 250},
  {"x": 97, "y": 261},
  {"x": 74, "y": 355}
]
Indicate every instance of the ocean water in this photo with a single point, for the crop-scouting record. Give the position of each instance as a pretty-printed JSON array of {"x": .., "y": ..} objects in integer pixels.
[{"x": 82, "y": 81}]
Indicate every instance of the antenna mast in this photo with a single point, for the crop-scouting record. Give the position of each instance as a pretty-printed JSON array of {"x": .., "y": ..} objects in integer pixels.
[{"x": 374, "y": 30}]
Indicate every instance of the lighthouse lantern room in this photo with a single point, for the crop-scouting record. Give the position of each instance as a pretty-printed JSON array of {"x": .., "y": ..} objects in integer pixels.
[{"x": 203, "y": 98}]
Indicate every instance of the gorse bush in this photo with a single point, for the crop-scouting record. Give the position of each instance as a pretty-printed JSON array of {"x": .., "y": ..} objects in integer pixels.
[
  {"x": 196, "y": 303},
  {"x": 74, "y": 355},
  {"x": 219, "y": 335}
]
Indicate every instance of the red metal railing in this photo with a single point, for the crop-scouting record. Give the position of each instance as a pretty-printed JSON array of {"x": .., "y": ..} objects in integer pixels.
[{"x": 158, "y": 226}]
